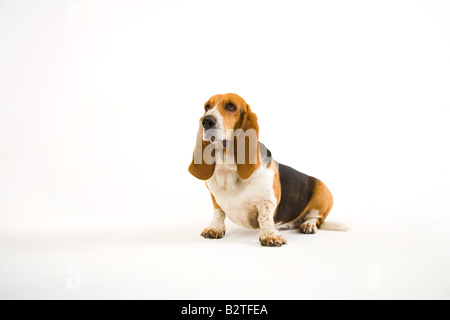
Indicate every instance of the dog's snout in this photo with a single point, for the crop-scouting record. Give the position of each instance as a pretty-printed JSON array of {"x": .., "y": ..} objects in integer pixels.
[{"x": 208, "y": 122}]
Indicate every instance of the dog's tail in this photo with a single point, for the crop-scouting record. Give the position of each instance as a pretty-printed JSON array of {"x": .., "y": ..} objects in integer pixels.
[{"x": 333, "y": 226}]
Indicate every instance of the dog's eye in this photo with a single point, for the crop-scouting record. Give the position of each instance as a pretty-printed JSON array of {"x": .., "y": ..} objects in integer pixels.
[
  {"x": 231, "y": 107},
  {"x": 207, "y": 107}
]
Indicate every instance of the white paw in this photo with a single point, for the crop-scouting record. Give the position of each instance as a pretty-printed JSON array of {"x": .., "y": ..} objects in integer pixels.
[
  {"x": 309, "y": 226},
  {"x": 272, "y": 239},
  {"x": 213, "y": 233}
]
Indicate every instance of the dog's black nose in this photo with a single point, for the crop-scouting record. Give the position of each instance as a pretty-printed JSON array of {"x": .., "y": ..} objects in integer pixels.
[{"x": 208, "y": 122}]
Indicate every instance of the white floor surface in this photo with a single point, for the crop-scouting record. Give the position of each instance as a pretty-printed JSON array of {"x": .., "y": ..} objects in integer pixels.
[{"x": 385, "y": 259}]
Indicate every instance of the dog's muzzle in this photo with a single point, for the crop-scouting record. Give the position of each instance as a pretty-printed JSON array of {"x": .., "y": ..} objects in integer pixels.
[{"x": 209, "y": 122}]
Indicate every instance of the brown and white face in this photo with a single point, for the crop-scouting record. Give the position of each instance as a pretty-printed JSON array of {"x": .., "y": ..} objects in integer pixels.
[
  {"x": 223, "y": 113},
  {"x": 228, "y": 122}
]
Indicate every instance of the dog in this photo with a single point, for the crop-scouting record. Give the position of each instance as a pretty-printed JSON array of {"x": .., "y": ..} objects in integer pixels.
[{"x": 246, "y": 184}]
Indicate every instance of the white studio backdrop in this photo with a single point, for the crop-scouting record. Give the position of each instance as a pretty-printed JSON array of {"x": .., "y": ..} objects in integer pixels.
[
  {"x": 99, "y": 108},
  {"x": 99, "y": 103}
]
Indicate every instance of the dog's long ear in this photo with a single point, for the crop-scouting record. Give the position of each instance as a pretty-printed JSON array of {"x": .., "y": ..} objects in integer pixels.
[
  {"x": 200, "y": 167},
  {"x": 246, "y": 145}
]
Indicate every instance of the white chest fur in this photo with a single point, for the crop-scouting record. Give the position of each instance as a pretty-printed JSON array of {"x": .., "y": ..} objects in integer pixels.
[{"x": 241, "y": 199}]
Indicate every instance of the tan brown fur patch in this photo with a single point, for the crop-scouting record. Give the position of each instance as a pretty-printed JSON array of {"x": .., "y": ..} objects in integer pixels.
[
  {"x": 215, "y": 204},
  {"x": 322, "y": 201},
  {"x": 276, "y": 181}
]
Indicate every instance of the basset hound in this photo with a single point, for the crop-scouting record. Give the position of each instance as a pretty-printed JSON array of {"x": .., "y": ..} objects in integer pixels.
[{"x": 245, "y": 183}]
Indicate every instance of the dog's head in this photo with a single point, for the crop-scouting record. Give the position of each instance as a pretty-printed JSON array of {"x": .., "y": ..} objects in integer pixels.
[{"x": 227, "y": 123}]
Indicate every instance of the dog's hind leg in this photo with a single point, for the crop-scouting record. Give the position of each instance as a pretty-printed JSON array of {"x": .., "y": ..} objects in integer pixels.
[
  {"x": 317, "y": 209},
  {"x": 311, "y": 222}
]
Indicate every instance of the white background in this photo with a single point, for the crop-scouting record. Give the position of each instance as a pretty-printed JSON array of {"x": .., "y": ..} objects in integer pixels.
[{"x": 99, "y": 105}]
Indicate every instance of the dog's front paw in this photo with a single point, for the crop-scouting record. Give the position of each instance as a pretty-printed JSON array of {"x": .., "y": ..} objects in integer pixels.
[
  {"x": 213, "y": 233},
  {"x": 272, "y": 240}
]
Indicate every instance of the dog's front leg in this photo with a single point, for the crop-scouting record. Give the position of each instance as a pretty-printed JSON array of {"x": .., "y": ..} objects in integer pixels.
[
  {"x": 216, "y": 229},
  {"x": 268, "y": 234}
]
